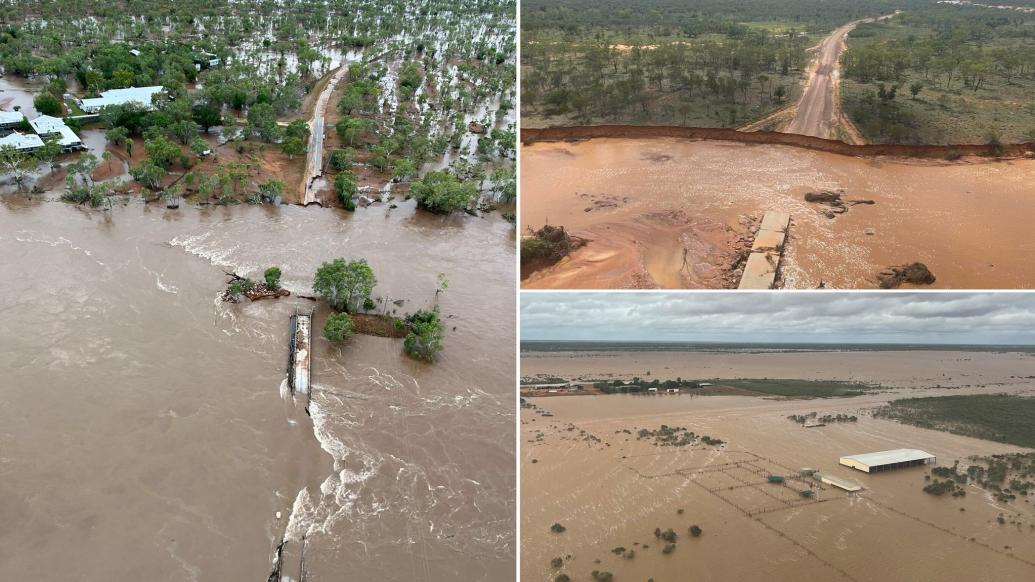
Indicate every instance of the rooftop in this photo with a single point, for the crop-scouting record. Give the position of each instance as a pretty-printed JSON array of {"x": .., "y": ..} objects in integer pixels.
[
  {"x": 22, "y": 141},
  {"x": 11, "y": 116},
  {"x": 889, "y": 457},
  {"x": 140, "y": 95}
]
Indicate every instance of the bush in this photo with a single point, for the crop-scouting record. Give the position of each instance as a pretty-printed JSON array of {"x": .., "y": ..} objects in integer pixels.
[
  {"x": 557, "y": 528},
  {"x": 556, "y": 563},
  {"x": 338, "y": 327},
  {"x": 695, "y": 531}
]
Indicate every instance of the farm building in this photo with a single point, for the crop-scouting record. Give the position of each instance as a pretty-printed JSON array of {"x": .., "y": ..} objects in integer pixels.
[
  {"x": 138, "y": 95},
  {"x": 850, "y": 486},
  {"x": 888, "y": 460},
  {"x": 11, "y": 120}
]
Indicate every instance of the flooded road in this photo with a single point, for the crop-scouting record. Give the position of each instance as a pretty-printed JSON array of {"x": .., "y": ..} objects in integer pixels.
[
  {"x": 665, "y": 212},
  {"x": 612, "y": 491},
  {"x": 146, "y": 434}
]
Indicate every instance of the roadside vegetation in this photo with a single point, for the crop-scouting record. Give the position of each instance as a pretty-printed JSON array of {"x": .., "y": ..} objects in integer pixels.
[
  {"x": 943, "y": 74},
  {"x": 709, "y": 63}
]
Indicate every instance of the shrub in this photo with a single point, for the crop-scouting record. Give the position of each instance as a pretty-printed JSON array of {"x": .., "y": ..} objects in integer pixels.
[
  {"x": 695, "y": 531},
  {"x": 557, "y": 528}
]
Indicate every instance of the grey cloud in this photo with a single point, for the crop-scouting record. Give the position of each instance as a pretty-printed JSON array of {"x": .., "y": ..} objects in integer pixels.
[{"x": 1006, "y": 318}]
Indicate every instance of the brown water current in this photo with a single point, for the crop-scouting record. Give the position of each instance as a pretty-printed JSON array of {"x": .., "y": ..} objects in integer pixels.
[
  {"x": 665, "y": 212},
  {"x": 146, "y": 432},
  {"x": 614, "y": 492}
]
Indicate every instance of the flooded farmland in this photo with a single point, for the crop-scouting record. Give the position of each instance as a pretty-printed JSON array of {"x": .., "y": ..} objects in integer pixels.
[
  {"x": 671, "y": 213},
  {"x": 614, "y": 493},
  {"x": 147, "y": 430}
]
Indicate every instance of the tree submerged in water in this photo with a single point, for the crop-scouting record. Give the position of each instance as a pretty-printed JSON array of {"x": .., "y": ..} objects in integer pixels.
[
  {"x": 424, "y": 339},
  {"x": 345, "y": 285},
  {"x": 338, "y": 327}
]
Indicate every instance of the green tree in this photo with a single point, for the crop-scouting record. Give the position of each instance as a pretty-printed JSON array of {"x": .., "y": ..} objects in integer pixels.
[
  {"x": 341, "y": 160},
  {"x": 271, "y": 191},
  {"x": 48, "y": 104},
  {"x": 49, "y": 153},
  {"x": 345, "y": 187},
  {"x": 15, "y": 163},
  {"x": 504, "y": 184},
  {"x": 206, "y": 117},
  {"x": 149, "y": 174},
  {"x": 424, "y": 340},
  {"x": 272, "y": 277},
  {"x": 292, "y": 146},
  {"x": 198, "y": 146},
  {"x": 338, "y": 327},
  {"x": 345, "y": 285},
  {"x": 443, "y": 192}
]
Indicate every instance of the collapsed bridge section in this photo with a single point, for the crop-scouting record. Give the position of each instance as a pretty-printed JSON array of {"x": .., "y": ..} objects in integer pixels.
[{"x": 300, "y": 358}]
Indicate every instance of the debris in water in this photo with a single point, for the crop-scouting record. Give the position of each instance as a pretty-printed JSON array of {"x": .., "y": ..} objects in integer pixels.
[
  {"x": 834, "y": 201},
  {"x": 914, "y": 273}
]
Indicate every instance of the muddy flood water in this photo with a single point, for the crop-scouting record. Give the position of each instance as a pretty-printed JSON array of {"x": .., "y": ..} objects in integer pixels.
[
  {"x": 146, "y": 430},
  {"x": 672, "y": 213},
  {"x": 609, "y": 490}
]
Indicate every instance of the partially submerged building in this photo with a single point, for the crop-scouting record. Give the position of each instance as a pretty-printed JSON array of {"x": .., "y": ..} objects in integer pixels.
[
  {"x": 23, "y": 142},
  {"x": 11, "y": 120},
  {"x": 835, "y": 481},
  {"x": 141, "y": 96},
  {"x": 888, "y": 460},
  {"x": 48, "y": 127}
]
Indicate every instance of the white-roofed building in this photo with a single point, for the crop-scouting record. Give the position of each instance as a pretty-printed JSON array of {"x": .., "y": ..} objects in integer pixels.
[
  {"x": 138, "y": 95},
  {"x": 888, "y": 460},
  {"x": 11, "y": 119},
  {"x": 23, "y": 142},
  {"x": 47, "y": 126}
]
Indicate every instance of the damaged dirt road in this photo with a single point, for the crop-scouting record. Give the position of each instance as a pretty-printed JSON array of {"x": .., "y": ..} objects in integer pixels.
[{"x": 679, "y": 214}]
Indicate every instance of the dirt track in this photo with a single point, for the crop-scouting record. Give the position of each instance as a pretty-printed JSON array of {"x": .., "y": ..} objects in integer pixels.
[{"x": 816, "y": 113}]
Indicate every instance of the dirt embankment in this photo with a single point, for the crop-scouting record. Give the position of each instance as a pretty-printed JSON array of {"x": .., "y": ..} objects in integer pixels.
[{"x": 530, "y": 135}]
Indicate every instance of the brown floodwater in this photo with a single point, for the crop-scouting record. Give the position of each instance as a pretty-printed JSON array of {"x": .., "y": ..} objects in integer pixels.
[
  {"x": 667, "y": 213},
  {"x": 145, "y": 428},
  {"x": 615, "y": 492}
]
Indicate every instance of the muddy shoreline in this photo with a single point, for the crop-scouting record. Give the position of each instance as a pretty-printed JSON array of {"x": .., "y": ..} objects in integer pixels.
[{"x": 552, "y": 134}]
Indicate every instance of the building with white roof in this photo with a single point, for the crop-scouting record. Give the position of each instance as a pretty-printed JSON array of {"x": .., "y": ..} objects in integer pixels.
[
  {"x": 138, "y": 95},
  {"x": 888, "y": 460},
  {"x": 47, "y": 126},
  {"x": 11, "y": 119},
  {"x": 23, "y": 142}
]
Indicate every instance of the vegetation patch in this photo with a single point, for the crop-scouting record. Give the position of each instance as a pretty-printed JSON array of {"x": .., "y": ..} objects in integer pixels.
[
  {"x": 995, "y": 417},
  {"x": 799, "y": 388}
]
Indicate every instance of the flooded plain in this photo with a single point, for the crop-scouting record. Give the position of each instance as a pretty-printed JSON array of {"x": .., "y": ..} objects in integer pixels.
[
  {"x": 667, "y": 213},
  {"x": 610, "y": 490},
  {"x": 147, "y": 433}
]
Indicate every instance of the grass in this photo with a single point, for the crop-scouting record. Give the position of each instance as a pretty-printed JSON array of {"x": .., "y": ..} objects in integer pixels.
[
  {"x": 804, "y": 389},
  {"x": 995, "y": 417}
]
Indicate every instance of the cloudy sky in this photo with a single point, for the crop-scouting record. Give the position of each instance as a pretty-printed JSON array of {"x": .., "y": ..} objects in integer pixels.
[{"x": 968, "y": 318}]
